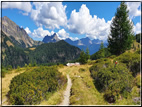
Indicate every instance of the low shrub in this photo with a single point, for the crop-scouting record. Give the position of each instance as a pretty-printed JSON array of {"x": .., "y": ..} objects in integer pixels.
[
  {"x": 82, "y": 70},
  {"x": 33, "y": 86},
  {"x": 137, "y": 80},
  {"x": 60, "y": 65},
  {"x": 132, "y": 60},
  {"x": 112, "y": 56},
  {"x": 113, "y": 81}
]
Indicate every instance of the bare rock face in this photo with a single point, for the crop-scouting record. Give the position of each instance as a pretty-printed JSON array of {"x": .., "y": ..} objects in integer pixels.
[
  {"x": 53, "y": 38},
  {"x": 18, "y": 35}
]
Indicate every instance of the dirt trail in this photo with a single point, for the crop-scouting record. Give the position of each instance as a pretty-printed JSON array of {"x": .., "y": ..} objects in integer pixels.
[{"x": 67, "y": 92}]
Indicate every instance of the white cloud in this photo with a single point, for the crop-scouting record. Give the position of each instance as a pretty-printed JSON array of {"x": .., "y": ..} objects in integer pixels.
[
  {"x": 25, "y": 6},
  {"x": 83, "y": 23},
  {"x": 24, "y": 13},
  {"x": 63, "y": 34},
  {"x": 73, "y": 39},
  {"x": 49, "y": 14},
  {"x": 27, "y": 30},
  {"x": 38, "y": 33},
  {"x": 134, "y": 9},
  {"x": 137, "y": 28}
]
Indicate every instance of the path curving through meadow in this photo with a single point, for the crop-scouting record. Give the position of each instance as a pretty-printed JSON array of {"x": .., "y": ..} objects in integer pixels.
[{"x": 67, "y": 92}]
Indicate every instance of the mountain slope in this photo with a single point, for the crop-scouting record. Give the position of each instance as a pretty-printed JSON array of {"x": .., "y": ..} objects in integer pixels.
[
  {"x": 54, "y": 52},
  {"x": 52, "y": 38},
  {"x": 11, "y": 54},
  {"x": 16, "y": 34},
  {"x": 42, "y": 54}
]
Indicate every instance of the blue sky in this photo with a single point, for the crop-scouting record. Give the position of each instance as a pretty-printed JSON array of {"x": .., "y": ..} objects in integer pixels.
[{"x": 72, "y": 20}]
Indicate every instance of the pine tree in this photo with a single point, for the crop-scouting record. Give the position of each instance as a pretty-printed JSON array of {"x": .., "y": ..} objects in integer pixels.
[
  {"x": 82, "y": 58},
  {"x": 102, "y": 50},
  {"x": 87, "y": 53},
  {"x": 121, "y": 34}
]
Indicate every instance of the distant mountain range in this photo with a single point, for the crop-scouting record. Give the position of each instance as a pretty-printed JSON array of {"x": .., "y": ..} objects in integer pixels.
[
  {"x": 83, "y": 43},
  {"x": 17, "y": 35}
]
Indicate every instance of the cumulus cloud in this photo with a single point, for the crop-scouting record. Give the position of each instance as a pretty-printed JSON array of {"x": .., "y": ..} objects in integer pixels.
[
  {"x": 134, "y": 9},
  {"x": 49, "y": 14},
  {"x": 83, "y": 23},
  {"x": 137, "y": 28},
  {"x": 73, "y": 39},
  {"x": 63, "y": 34},
  {"x": 27, "y": 30},
  {"x": 25, "y": 6},
  {"x": 38, "y": 33}
]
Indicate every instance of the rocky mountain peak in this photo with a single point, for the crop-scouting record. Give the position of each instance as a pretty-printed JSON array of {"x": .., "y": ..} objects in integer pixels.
[
  {"x": 52, "y": 38},
  {"x": 18, "y": 35}
]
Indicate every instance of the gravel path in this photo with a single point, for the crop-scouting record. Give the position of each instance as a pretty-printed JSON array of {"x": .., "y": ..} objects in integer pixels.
[{"x": 67, "y": 92}]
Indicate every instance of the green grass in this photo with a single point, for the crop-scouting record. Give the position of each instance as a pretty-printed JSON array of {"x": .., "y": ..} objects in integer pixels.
[
  {"x": 83, "y": 91},
  {"x": 56, "y": 98}
]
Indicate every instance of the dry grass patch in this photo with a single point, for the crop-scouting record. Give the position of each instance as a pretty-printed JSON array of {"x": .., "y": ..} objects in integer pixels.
[
  {"x": 32, "y": 49},
  {"x": 9, "y": 43},
  {"x": 83, "y": 91},
  {"x": 6, "y": 82}
]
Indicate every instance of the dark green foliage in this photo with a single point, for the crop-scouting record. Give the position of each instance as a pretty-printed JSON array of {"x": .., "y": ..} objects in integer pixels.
[
  {"x": 121, "y": 36},
  {"x": 87, "y": 54},
  {"x": 14, "y": 55},
  {"x": 138, "y": 37},
  {"x": 99, "y": 64},
  {"x": 54, "y": 52},
  {"x": 112, "y": 56},
  {"x": 83, "y": 57},
  {"x": 102, "y": 51},
  {"x": 32, "y": 87},
  {"x": 82, "y": 70},
  {"x": 48, "y": 54},
  {"x": 112, "y": 80},
  {"x": 101, "y": 54},
  {"x": 131, "y": 60}
]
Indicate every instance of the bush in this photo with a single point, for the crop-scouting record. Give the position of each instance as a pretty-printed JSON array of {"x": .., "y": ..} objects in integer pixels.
[
  {"x": 138, "y": 51},
  {"x": 132, "y": 60},
  {"x": 33, "y": 86},
  {"x": 112, "y": 56},
  {"x": 60, "y": 65},
  {"x": 82, "y": 70},
  {"x": 112, "y": 81},
  {"x": 137, "y": 81}
]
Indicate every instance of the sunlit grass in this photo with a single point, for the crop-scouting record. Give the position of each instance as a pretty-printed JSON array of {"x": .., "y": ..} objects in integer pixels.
[
  {"x": 6, "y": 82},
  {"x": 56, "y": 98}
]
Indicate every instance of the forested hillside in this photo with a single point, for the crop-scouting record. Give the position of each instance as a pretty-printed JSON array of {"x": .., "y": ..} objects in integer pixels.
[
  {"x": 12, "y": 54},
  {"x": 54, "y": 53}
]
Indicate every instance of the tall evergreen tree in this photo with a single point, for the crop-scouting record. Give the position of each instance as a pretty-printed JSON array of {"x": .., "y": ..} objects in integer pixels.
[
  {"x": 82, "y": 58},
  {"x": 121, "y": 33},
  {"x": 102, "y": 50},
  {"x": 87, "y": 53}
]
